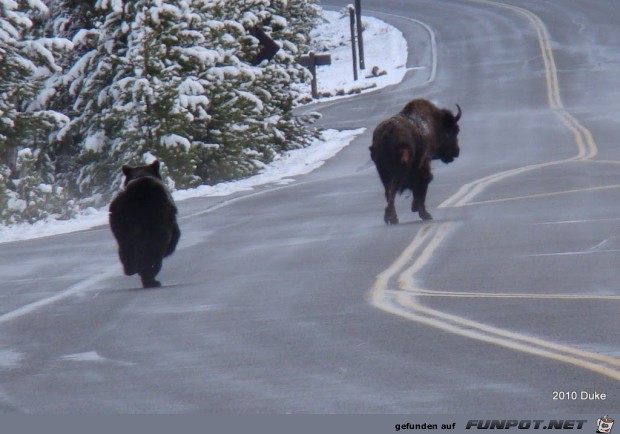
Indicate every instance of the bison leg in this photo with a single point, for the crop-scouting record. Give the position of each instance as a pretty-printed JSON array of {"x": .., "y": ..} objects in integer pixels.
[
  {"x": 420, "y": 181},
  {"x": 390, "y": 217}
]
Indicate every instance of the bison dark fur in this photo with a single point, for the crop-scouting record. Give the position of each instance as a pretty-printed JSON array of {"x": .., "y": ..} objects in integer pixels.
[
  {"x": 143, "y": 221},
  {"x": 403, "y": 147}
]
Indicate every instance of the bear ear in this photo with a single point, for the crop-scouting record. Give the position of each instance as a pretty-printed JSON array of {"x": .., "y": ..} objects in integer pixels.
[
  {"x": 155, "y": 167},
  {"x": 127, "y": 170}
]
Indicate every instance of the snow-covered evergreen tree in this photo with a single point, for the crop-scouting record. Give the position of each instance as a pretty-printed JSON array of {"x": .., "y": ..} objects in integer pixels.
[
  {"x": 74, "y": 20},
  {"x": 174, "y": 79},
  {"x": 34, "y": 194},
  {"x": 27, "y": 59},
  {"x": 252, "y": 106},
  {"x": 167, "y": 79}
]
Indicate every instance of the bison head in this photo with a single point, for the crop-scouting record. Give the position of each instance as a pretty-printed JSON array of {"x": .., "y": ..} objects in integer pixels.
[{"x": 448, "y": 130}]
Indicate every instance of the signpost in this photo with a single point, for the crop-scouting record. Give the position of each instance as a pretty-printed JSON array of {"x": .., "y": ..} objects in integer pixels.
[{"x": 311, "y": 61}]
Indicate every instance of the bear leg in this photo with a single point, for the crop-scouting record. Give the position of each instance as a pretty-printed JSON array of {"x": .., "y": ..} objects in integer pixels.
[
  {"x": 128, "y": 259},
  {"x": 148, "y": 275},
  {"x": 174, "y": 239}
]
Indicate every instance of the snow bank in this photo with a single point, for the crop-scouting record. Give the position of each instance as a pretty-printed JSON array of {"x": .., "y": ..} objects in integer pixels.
[
  {"x": 385, "y": 52},
  {"x": 283, "y": 169}
]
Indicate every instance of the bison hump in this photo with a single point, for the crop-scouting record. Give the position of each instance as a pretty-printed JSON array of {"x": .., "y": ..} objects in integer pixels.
[{"x": 419, "y": 123}]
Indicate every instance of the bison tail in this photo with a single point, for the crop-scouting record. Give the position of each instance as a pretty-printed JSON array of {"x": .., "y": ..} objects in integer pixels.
[{"x": 405, "y": 155}]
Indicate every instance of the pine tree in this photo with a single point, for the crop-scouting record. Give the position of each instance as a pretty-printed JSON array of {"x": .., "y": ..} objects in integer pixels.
[
  {"x": 75, "y": 20},
  {"x": 27, "y": 59},
  {"x": 139, "y": 93},
  {"x": 252, "y": 108},
  {"x": 166, "y": 79}
]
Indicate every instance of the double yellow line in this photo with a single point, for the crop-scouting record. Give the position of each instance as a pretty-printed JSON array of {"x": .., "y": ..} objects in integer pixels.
[
  {"x": 396, "y": 290},
  {"x": 586, "y": 146}
]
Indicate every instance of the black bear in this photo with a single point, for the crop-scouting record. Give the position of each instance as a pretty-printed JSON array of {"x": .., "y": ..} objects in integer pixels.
[{"x": 143, "y": 221}]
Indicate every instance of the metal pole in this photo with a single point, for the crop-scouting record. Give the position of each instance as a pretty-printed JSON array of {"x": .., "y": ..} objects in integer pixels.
[
  {"x": 360, "y": 39},
  {"x": 352, "y": 18}
]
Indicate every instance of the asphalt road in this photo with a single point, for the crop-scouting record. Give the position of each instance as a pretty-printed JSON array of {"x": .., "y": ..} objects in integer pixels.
[{"x": 299, "y": 299}]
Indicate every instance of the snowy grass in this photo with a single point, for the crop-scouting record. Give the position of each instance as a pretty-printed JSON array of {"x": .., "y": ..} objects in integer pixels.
[{"x": 385, "y": 48}]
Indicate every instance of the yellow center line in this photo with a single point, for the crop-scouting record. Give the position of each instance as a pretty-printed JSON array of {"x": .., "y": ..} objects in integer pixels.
[
  {"x": 403, "y": 302},
  {"x": 543, "y": 195},
  {"x": 586, "y": 146},
  {"x": 460, "y": 325}
]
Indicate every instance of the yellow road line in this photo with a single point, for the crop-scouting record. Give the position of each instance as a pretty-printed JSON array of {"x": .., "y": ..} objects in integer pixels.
[
  {"x": 587, "y": 297},
  {"x": 402, "y": 302},
  {"x": 419, "y": 239},
  {"x": 541, "y": 195},
  {"x": 472, "y": 189},
  {"x": 404, "y": 305},
  {"x": 586, "y": 146},
  {"x": 423, "y": 258},
  {"x": 585, "y": 359}
]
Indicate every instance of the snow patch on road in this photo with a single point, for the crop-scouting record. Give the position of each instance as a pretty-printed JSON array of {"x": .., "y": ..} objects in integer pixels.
[
  {"x": 10, "y": 359},
  {"x": 91, "y": 356}
]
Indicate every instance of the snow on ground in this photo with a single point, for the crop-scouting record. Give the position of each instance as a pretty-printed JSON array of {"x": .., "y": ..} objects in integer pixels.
[
  {"x": 283, "y": 169},
  {"x": 385, "y": 48}
]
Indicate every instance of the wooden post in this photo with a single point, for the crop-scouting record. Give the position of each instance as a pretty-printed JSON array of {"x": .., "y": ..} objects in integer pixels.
[
  {"x": 352, "y": 19},
  {"x": 312, "y": 68}
]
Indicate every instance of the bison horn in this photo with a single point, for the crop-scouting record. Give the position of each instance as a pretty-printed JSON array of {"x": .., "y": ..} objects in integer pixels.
[{"x": 458, "y": 114}]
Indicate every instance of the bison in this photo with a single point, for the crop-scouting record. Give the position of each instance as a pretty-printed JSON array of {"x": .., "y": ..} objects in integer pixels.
[{"x": 403, "y": 147}]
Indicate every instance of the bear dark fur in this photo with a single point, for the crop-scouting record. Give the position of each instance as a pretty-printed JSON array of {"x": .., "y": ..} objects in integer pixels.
[{"x": 143, "y": 221}]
